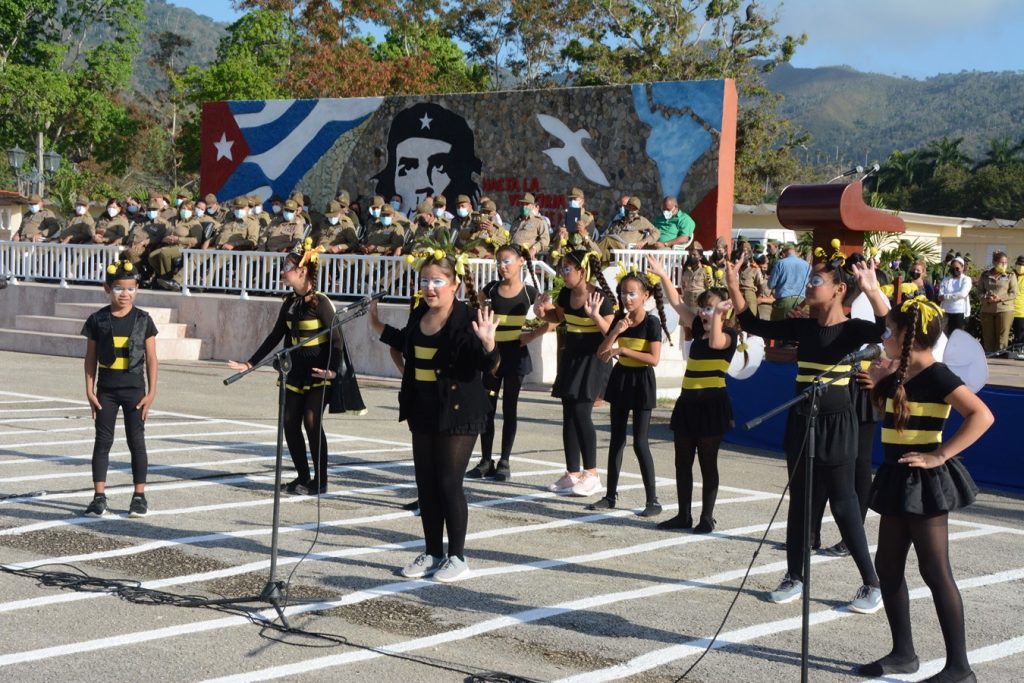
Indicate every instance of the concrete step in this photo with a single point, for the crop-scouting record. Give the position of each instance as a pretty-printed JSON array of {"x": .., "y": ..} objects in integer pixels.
[
  {"x": 55, "y": 344},
  {"x": 83, "y": 311},
  {"x": 45, "y": 323}
]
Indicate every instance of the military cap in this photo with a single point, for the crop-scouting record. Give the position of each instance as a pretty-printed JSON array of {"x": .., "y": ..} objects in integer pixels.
[
  {"x": 333, "y": 208},
  {"x": 488, "y": 205},
  {"x": 528, "y": 198},
  {"x": 240, "y": 203},
  {"x": 35, "y": 199},
  {"x": 386, "y": 210},
  {"x": 154, "y": 205},
  {"x": 463, "y": 199},
  {"x": 424, "y": 207},
  {"x": 82, "y": 200},
  {"x": 154, "y": 194},
  {"x": 297, "y": 198},
  {"x": 254, "y": 200},
  {"x": 439, "y": 200},
  {"x": 696, "y": 245},
  {"x": 290, "y": 205},
  {"x": 576, "y": 192},
  {"x": 634, "y": 202},
  {"x": 211, "y": 198},
  {"x": 183, "y": 194},
  {"x": 343, "y": 198},
  {"x": 377, "y": 201}
]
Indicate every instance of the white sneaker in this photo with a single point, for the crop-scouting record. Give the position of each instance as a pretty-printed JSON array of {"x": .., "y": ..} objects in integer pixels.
[
  {"x": 563, "y": 486},
  {"x": 423, "y": 565},
  {"x": 868, "y": 600},
  {"x": 453, "y": 569},
  {"x": 789, "y": 590},
  {"x": 588, "y": 485}
]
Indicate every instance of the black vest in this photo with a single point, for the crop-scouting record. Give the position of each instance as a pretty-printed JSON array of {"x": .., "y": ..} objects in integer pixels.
[{"x": 136, "y": 341}]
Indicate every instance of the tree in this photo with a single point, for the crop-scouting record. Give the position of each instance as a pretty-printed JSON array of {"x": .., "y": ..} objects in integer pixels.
[{"x": 450, "y": 72}]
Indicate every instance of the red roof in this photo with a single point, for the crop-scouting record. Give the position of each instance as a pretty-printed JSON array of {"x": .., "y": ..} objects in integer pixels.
[{"x": 9, "y": 197}]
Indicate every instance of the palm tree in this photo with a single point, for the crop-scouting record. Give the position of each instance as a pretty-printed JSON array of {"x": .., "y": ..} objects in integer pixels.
[
  {"x": 946, "y": 152},
  {"x": 1000, "y": 152}
]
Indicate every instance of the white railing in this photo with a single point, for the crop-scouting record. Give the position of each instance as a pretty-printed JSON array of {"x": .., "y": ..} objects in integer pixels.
[
  {"x": 249, "y": 272},
  {"x": 55, "y": 262}
]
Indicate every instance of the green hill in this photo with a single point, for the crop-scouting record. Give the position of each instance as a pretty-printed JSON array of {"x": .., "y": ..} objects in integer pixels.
[{"x": 205, "y": 34}]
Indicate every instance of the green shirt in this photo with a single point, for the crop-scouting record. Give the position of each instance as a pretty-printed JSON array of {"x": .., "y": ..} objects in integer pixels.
[{"x": 677, "y": 226}]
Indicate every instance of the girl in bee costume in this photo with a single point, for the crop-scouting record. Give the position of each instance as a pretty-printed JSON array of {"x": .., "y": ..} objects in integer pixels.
[
  {"x": 919, "y": 483},
  {"x": 304, "y": 313}
]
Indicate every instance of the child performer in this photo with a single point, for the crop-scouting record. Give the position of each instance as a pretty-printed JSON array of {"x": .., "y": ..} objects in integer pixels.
[
  {"x": 703, "y": 413},
  {"x": 122, "y": 342},
  {"x": 304, "y": 313},
  {"x": 920, "y": 482},
  {"x": 446, "y": 344},
  {"x": 582, "y": 376},
  {"x": 635, "y": 341}
]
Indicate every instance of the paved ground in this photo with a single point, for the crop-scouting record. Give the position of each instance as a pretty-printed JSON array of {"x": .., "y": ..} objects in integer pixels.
[{"x": 557, "y": 593}]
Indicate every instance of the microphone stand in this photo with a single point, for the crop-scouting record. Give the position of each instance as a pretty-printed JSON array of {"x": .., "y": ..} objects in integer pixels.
[
  {"x": 810, "y": 395},
  {"x": 282, "y": 361}
]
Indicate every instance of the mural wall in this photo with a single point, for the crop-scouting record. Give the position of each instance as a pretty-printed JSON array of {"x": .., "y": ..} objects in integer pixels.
[{"x": 649, "y": 140}]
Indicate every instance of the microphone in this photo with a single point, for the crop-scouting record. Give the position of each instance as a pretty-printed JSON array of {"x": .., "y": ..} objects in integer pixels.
[
  {"x": 853, "y": 171},
  {"x": 869, "y": 353},
  {"x": 871, "y": 171}
]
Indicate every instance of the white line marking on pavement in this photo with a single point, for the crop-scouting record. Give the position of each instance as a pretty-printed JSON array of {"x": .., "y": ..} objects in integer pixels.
[{"x": 981, "y": 655}]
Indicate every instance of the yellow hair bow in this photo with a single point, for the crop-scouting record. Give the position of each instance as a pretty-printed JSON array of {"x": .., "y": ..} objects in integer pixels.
[
  {"x": 926, "y": 310},
  {"x": 310, "y": 254},
  {"x": 623, "y": 272},
  {"x": 653, "y": 279},
  {"x": 887, "y": 290},
  {"x": 461, "y": 261}
]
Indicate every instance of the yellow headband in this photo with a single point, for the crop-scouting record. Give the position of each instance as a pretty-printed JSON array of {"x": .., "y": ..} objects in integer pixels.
[
  {"x": 125, "y": 264},
  {"x": 926, "y": 310},
  {"x": 418, "y": 259},
  {"x": 652, "y": 279}
]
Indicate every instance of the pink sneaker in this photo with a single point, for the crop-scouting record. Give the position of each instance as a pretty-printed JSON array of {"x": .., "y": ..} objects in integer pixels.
[
  {"x": 565, "y": 484},
  {"x": 588, "y": 485}
]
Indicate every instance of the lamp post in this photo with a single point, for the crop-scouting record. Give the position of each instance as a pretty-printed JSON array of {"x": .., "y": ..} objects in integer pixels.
[{"x": 33, "y": 181}]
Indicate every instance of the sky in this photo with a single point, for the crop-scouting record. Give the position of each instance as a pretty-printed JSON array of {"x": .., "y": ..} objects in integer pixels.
[{"x": 916, "y": 38}]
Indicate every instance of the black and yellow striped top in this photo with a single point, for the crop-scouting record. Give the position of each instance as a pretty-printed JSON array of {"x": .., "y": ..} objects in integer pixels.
[
  {"x": 926, "y": 399},
  {"x": 510, "y": 313},
  {"x": 706, "y": 367},
  {"x": 639, "y": 338},
  {"x": 424, "y": 349},
  {"x": 583, "y": 336},
  {"x": 297, "y": 321},
  {"x": 115, "y": 374}
]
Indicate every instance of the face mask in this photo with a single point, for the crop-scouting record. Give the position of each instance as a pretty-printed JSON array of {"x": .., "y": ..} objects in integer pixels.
[
  {"x": 525, "y": 211},
  {"x": 210, "y": 210},
  {"x": 914, "y": 274},
  {"x": 113, "y": 211},
  {"x": 179, "y": 201},
  {"x": 239, "y": 213},
  {"x": 574, "y": 203},
  {"x": 462, "y": 212},
  {"x": 257, "y": 210},
  {"x": 1000, "y": 269},
  {"x": 438, "y": 212},
  {"x": 666, "y": 214},
  {"x": 289, "y": 215},
  {"x": 132, "y": 208},
  {"x": 34, "y": 208},
  {"x": 80, "y": 210},
  {"x": 276, "y": 208},
  {"x": 375, "y": 213},
  {"x": 396, "y": 205},
  {"x": 185, "y": 214},
  {"x": 151, "y": 215},
  {"x": 333, "y": 220},
  {"x": 622, "y": 212},
  {"x": 955, "y": 273},
  {"x": 692, "y": 261},
  {"x": 385, "y": 220}
]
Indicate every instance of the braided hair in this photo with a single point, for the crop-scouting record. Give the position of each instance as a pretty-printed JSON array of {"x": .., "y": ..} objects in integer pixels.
[
  {"x": 122, "y": 269},
  {"x": 916, "y": 335},
  {"x": 654, "y": 290},
  {"x": 523, "y": 253}
]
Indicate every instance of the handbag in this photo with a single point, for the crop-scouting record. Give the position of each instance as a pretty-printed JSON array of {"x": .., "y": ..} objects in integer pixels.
[{"x": 345, "y": 396}]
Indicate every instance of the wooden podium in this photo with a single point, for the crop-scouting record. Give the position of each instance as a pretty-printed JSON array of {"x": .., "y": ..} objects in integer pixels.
[{"x": 834, "y": 211}]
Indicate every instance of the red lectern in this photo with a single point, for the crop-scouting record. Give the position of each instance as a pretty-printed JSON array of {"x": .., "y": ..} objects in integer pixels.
[{"x": 834, "y": 211}]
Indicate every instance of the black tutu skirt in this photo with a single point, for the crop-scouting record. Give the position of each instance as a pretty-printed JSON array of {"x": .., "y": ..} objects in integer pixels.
[
  {"x": 515, "y": 360},
  {"x": 634, "y": 387},
  {"x": 835, "y": 438},
  {"x": 702, "y": 412},
  {"x": 581, "y": 378},
  {"x": 899, "y": 490}
]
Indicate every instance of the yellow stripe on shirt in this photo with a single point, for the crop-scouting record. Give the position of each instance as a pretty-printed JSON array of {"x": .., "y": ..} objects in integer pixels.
[
  {"x": 940, "y": 410},
  {"x": 118, "y": 364},
  {"x": 580, "y": 324},
  {"x": 426, "y": 375},
  {"x": 911, "y": 437},
  {"x": 691, "y": 383},
  {"x": 424, "y": 352}
]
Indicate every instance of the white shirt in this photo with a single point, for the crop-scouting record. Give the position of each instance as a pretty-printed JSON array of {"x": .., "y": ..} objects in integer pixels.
[{"x": 954, "y": 292}]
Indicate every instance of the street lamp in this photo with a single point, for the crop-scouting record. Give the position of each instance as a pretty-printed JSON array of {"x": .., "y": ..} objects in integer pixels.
[
  {"x": 51, "y": 162},
  {"x": 46, "y": 165},
  {"x": 16, "y": 158}
]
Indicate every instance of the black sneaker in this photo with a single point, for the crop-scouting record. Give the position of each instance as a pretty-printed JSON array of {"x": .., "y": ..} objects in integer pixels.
[
  {"x": 838, "y": 550},
  {"x": 98, "y": 507},
  {"x": 503, "y": 472},
  {"x": 138, "y": 507},
  {"x": 413, "y": 506},
  {"x": 651, "y": 509},
  {"x": 313, "y": 488},
  {"x": 605, "y": 503},
  {"x": 292, "y": 487},
  {"x": 677, "y": 522},
  {"x": 484, "y": 470},
  {"x": 705, "y": 526}
]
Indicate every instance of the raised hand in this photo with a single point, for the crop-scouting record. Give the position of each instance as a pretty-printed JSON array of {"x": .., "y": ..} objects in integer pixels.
[
  {"x": 732, "y": 270},
  {"x": 542, "y": 305},
  {"x": 722, "y": 307},
  {"x": 621, "y": 326},
  {"x": 864, "y": 274},
  {"x": 484, "y": 327},
  {"x": 592, "y": 306},
  {"x": 656, "y": 265}
]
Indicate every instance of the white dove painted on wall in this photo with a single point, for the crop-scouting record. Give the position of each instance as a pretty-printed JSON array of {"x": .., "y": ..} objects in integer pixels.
[{"x": 572, "y": 148}]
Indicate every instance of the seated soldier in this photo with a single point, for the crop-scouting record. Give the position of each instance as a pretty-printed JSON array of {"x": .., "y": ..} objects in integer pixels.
[
  {"x": 633, "y": 231},
  {"x": 237, "y": 233},
  {"x": 384, "y": 236},
  {"x": 483, "y": 235},
  {"x": 143, "y": 238},
  {"x": 284, "y": 231},
  {"x": 530, "y": 230},
  {"x": 185, "y": 233},
  {"x": 339, "y": 235},
  {"x": 115, "y": 227},
  {"x": 39, "y": 224},
  {"x": 82, "y": 228}
]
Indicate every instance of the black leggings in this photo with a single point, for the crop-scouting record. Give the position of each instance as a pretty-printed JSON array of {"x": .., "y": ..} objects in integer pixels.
[
  {"x": 125, "y": 398},
  {"x": 441, "y": 461},
  {"x": 578, "y": 436},
  {"x": 706, "y": 451},
  {"x": 930, "y": 538},
  {"x": 837, "y": 483},
  {"x": 641, "y": 425},
  {"x": 306, "y": 411},
  {"x": 861, "y": 478},
  {"x": 509, "y": 415}
]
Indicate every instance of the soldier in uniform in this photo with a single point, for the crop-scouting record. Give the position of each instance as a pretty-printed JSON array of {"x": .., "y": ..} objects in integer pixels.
[
  {"x": 82, "y": 228},
  {"x": 185, "y": 233},
  {"x": 484, "y": 230},
  {"x": 632, "y": 231},
  {"x": 165, "y": 212},
  {"x": 344, "y": 199},
  {"x": 696, "y": 276},
  {"x": 584, "y": 227},
  {"x": 180, "y": 197},
  {"x": 425, "y": 226},
  {"x": 339, "y": 236},
  {"x": 284, "y": 231},
  {"x": 144, "y": 237},
  {"x": 530, "y": 230},
  {"x": 256, "y": 211},
  {"x": 132, "y": 209},
  {"x": 237, "y": 232},
  {"x": 215, "y": 210},
  {"x": 752, "y": 283},
  {"x": 384, "y": 236},
  {"x": 115, "y": 228},
  {"x": 39, "y": 224},
  {"x": 443, "y": 218}
]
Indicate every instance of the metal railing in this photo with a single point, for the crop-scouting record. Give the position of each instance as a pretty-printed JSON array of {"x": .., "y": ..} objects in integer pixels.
[{"x": 249, "y": 272}]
